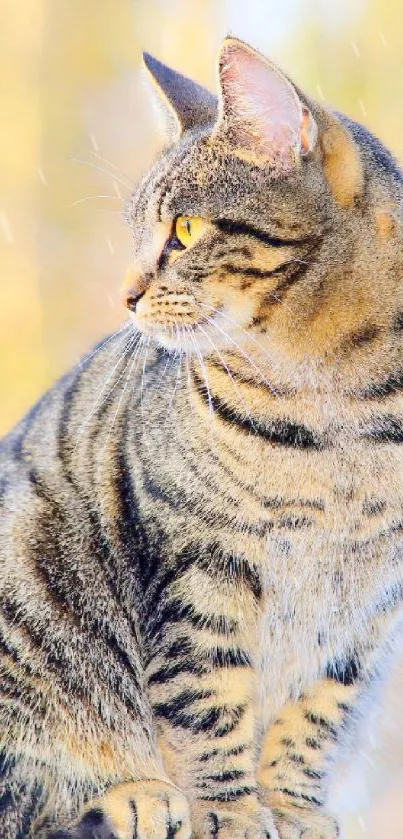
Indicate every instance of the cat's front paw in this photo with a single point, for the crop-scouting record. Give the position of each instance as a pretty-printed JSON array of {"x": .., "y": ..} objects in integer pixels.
[
  {"x": 224, "y": 822},
  {"x": 139, "y": 810},
  {"x": 296, "y": 822}
]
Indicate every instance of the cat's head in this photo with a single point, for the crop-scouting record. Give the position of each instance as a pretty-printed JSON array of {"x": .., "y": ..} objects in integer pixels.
[{"x": 266, "y": 218}]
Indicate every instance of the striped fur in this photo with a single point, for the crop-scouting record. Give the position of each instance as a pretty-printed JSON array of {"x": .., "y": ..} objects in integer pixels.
[{"x": 202, "y": 523}]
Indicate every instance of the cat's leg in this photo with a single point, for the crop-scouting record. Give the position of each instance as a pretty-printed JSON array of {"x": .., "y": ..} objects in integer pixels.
[
  {"x": 203, "y": 689},
  {"x": 206, "y": 723},
  {"x": 301, "y": 748},
  {"x": 209, "y": 731},
  {"x": 150, "y": 807},
  {"x": 138, "y": 799},
  {"x": 298, "y": 753},
  {"x": 38, "y": 798},
  {"x": 73, "y": 699}
]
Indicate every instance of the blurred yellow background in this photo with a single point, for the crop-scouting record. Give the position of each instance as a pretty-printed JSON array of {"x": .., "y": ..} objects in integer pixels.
[
  {"x": 77, "y": 131},
  {"x": 72, "y": 87}
]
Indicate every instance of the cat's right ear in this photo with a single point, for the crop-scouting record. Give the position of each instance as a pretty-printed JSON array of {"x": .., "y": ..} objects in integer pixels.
[
  {"x": 266, "y": 121},
  {"x": 182, "y": 104},
  {"x": 261, "y": 115}
]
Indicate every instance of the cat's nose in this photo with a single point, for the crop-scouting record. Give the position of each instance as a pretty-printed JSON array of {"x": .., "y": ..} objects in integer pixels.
[
  {"x": 134, "y": 287},
  {"x": 131, "y": 300}
]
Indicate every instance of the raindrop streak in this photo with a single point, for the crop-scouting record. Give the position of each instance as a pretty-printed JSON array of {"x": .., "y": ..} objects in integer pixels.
[
  {"x": 362, "y": 107},
  {"x": 42, "y": 176},
  {"x": 110, "y": 246},
  {"x": 94, "y": 142},
  {"x": 8, "y": 233},
  {"x": 362, "y": 824},
  {"x": 355, "y": 49},
  {"x": 117, "y": 190}
]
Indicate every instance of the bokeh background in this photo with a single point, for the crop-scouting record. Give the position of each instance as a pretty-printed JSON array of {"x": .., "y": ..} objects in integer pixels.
[{"x": 76, "y": 131}]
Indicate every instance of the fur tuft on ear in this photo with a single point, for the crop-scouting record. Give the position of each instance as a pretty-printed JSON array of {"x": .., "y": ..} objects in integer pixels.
[
  {"x": 183, "y": 103},
  {"x": 261, "y": 114}
]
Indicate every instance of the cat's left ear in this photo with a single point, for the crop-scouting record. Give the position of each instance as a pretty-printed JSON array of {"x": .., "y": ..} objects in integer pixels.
[
  {"x": 183, "y": 104},
  {"x": 261, "y": 115}
]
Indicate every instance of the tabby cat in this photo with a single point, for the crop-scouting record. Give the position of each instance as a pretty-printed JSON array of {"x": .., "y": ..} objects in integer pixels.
[{"x": 202, "y": 523}]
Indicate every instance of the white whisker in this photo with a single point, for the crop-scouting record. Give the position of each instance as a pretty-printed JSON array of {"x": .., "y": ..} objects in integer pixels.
[
  {"x": 245, "y": 355},
  {"x": 127, "y": 326},
  {"x": 130, "y": 365},
  {"x": 171, "y": 401},
  {"x": 100, "y": 400},
  {"x": 143, "y": 376},
  {"x": 189, "y": 383},
  {"x": 94, "y": 198},
  {"x": 103, "y": 170},
  {"x": 238, "y": 325},
  {"x": 113, "y": 166},
  {"x": 223, "y": 362},
  {"x": 168, "y": 363},
  {"x": 205, "y": 377}
]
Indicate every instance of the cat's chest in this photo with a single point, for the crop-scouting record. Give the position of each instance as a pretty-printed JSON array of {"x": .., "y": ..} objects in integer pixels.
[
  {"x": 312, "y": 613},
  {"x": 326, "y": 555},
  {"x": 312, "y": 506}
]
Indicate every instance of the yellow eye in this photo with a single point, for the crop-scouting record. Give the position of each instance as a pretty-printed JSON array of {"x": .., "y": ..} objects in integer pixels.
[{"x": 188, "y": 229}]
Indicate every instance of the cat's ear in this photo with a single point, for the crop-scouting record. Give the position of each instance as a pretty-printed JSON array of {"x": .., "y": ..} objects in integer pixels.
[
  {"x": 261, "y": 115},
  {"x": 183, "y": 104}
]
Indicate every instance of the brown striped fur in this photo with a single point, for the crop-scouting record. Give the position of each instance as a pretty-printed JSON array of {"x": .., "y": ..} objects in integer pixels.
[{"x": 202, "y": 524}]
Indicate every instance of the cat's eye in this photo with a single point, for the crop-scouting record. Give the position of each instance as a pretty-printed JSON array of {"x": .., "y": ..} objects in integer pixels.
[{"x": 188, "y": 229}]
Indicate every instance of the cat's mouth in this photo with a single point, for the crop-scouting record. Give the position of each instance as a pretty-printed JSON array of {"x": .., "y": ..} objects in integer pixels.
[
  {"x": 216, "y": 335},
  {"x": 198, "y": 328},
  {"x": 196, "y": 320},
  {"x": 184, "y": 334}
]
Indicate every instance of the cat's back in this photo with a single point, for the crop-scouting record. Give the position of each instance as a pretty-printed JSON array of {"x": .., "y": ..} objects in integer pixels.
[
  {"x": 70, "y": 529},
  {"x": 78, "y": 401},
  {"x": 52, "y": 458}
]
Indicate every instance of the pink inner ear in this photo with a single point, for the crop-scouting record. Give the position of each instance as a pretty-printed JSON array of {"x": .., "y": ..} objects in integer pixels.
[{"x": 263, "y": 110}]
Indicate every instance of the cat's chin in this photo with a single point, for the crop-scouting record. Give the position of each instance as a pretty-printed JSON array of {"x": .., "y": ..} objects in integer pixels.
[
  {"x": 186, "y": 341},
  {"x": 184, "y": 338},
  {"x": 197, "y": 337}
]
